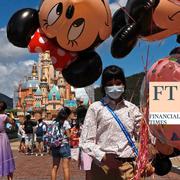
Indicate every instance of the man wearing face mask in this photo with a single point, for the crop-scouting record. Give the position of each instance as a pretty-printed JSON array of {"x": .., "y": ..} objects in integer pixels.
[{"x": 102, "y": 137}]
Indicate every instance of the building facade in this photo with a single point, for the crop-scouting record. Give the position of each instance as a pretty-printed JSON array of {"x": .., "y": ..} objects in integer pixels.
[{"x": 45, "y": 89}]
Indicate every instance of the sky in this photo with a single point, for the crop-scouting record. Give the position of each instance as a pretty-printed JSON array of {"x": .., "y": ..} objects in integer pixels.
[{"x": 15, "y": 63}]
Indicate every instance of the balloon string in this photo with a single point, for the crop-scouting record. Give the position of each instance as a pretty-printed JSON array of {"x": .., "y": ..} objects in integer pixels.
[
  {"x": 147, "y": 58},
  {"x": 144, "y": 131},
  {"x": 136, "y": 85},
  {"x": 126, "y": 12},
  {"x": 161, "y": 42}
]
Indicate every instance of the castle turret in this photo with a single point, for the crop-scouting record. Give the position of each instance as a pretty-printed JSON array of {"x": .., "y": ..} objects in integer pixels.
[
  {"x": 38, "y": 99},
  {"x": 44, "y": 89},
  {"x": 34, "y": 70},
  {"x": 61, "y": 85},
  {"x": 54, "y": 99},
  {"x": 46, "y": 61}
]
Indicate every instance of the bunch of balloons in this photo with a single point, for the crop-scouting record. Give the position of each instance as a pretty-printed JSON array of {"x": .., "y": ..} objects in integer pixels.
[
  {"x": 71, "y": 30},
  {"x": 149, "y": 20}
]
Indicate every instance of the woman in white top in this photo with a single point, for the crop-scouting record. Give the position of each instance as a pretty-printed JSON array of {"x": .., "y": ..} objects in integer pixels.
[
  {"x": 63, "y": 151},
  {"x": 102, "y": 138}
]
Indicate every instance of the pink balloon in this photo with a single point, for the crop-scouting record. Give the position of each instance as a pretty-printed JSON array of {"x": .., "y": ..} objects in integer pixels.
[{"x": 166, "y": 69}]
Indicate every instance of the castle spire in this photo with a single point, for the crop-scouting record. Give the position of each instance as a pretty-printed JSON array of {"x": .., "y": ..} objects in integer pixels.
[{"x": 34, "y": 70}]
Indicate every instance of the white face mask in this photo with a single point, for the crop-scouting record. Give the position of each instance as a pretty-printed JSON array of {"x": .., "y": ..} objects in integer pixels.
[{"x": 114, "y": 92}]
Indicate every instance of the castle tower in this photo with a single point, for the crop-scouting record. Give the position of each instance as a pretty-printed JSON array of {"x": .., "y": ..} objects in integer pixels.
[
  {"x": 54, "y": 99},
  {"x": 34, "y": 71},
  {"x": 67, "y": 91},
  {"x": 44, "y": 89},
  {"x": 38, "y": 99},
  {"x": 61, "y": 85},
  {"x": 46, "y": 61}
]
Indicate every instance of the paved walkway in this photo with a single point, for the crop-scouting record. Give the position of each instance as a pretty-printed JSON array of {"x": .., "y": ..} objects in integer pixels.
[{"x": 38, "y": 168}]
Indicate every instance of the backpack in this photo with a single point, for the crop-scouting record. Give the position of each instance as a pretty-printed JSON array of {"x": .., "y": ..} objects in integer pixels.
[
  {"x": 28, "y": 127},
  {"x": 54, "y": 135},
  {"x": 39, "y": 131}
]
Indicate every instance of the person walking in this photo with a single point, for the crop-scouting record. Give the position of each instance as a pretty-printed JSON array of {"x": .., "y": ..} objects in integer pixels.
[
  {"x": 22, "y": 135},
  {"x": 102, "y": 137},
  {"x": 28, "y": 127},
  {"x": 40, "y": 132},
  {"x": 62, "y": 151},
  {"x": 7, "y": 164}
]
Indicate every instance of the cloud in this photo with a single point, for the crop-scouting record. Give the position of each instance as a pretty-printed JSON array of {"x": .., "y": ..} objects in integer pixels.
[
  {"x": 11, "y": 74},
  {"x": 13, "y": 65},
  {"x": 115, "y": 5},
  {"x": 7, "y": 50}
]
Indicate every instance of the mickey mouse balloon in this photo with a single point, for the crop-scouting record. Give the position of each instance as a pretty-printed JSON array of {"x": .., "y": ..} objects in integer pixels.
[
  {"x": 150, "y": 20},
  {"x": 71, "y": 30}
]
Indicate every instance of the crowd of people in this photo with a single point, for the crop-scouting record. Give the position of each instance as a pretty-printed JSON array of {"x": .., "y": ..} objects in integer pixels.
[
  {"x": 31, "y": 132},
  {"x": 104, "y": 133}
]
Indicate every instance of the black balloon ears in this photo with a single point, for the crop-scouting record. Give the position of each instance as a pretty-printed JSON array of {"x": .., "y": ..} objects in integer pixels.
[
  {"x": 118, "y": 21},
  {"x": 22, "y": 26},
  {"x": 85, "y": 70},
  {"x": 162, "y": 165},
  {"x": 125, "y": 40},
  {"x": 175, "y": 51}
]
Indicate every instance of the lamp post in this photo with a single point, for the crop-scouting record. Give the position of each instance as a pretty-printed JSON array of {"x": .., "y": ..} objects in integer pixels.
[{"x": 24, "y": 106}]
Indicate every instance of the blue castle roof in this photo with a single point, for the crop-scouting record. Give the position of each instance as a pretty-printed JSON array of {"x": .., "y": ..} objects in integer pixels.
[
  {"x": 38, "y": 92},
  {"x": 54, "y": 93},
  {"x": 30, "y": 83}
]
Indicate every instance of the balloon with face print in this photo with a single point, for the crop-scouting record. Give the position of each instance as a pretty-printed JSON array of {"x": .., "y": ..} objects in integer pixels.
[
  {"x": 150, "y": 20},
  {"x": 71, "y": 30}
]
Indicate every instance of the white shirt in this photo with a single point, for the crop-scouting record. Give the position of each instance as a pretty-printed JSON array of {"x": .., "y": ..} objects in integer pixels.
[
  {"x": 66, "y": 125},
  {"x": 101, "y": 134},
  {"x": 21, "y": 131}
]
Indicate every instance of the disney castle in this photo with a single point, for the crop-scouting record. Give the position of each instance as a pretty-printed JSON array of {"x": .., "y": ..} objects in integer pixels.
[{"x": 45, "y": 89}]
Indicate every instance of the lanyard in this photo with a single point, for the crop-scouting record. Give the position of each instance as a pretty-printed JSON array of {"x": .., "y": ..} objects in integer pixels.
[{"x": 131, "y": 143}]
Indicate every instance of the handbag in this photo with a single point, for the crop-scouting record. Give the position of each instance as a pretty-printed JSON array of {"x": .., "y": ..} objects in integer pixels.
[{"x": 85, "y": 161}]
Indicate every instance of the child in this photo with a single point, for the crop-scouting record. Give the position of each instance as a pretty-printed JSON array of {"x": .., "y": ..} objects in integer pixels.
[
  {"x": 21, "y": 134},
  {"x": 63, "y": 151},
  {"x": 7, "y": 164}
]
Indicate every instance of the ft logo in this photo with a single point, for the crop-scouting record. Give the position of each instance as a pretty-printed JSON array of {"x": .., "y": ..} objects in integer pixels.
[{"x": 164, "y": 106}]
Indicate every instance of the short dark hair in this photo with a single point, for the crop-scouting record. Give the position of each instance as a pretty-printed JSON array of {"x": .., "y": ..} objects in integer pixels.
[
  {"x": 38, "y": 112},
  {"x": 3, "y": 106},
  {"x": 81, "y": 113},
  {"x": 28, "y": 117},
  {"x": 110, "y": 73},
  {"x": 63, "y": 113}
]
